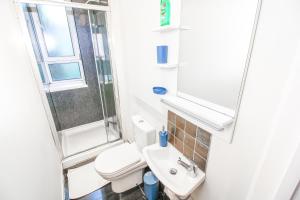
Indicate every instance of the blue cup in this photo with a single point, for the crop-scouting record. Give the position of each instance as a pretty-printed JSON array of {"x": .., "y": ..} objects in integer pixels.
[{"x": 162, "y": 54}]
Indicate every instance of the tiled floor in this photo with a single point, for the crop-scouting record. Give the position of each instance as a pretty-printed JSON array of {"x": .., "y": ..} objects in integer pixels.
[{"x": 106, "y": 193}]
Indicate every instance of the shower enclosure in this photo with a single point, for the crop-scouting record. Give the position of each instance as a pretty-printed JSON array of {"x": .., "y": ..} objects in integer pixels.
[{"x": 72, "y": 54}]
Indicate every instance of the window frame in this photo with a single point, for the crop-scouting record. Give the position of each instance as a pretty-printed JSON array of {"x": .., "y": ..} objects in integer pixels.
[{"x": 45, "y": 60}]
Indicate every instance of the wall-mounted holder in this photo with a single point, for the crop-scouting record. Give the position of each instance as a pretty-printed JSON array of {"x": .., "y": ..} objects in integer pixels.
[
  {"x": 168, "y": 66},
  {"x": 163, "y": 29}
]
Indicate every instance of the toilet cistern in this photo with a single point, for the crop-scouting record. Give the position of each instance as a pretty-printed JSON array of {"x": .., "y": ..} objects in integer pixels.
[{"x": 124, "y": 164}]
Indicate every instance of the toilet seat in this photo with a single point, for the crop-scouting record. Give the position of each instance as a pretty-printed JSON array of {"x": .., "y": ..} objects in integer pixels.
[{"x": 118, "y": 161}]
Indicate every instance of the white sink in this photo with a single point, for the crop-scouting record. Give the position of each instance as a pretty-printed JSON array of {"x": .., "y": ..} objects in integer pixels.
[{"x": 162, "y": 159}]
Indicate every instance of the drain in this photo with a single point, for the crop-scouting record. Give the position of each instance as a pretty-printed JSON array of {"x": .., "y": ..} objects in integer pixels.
[{"x": 173, "y": 171}]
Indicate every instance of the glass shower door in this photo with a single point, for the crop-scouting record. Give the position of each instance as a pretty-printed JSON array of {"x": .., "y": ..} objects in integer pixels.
[
  {"x": 105, "y": 77},
  {"x": 74, "y": 63}
]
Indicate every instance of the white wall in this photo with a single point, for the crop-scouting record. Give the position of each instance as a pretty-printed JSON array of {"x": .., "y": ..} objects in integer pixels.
[
  {"x": 233, "y": 169},
  {"x": 278, "y": 173},
  {"x": 137, "y": 72},
  {"x": 30, "y": 167}
]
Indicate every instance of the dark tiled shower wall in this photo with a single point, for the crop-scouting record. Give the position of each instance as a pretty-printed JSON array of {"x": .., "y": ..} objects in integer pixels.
[
  {"x": 76, "y": 107},
  {"x": 189, "y": 139}
]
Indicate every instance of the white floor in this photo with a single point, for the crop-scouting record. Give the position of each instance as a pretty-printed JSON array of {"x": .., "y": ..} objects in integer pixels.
[
  {"x": 81, "y": 138},
  {"x": 84, "y": 180}
]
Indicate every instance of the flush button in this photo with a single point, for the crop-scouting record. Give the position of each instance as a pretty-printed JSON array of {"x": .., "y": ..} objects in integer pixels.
[
  {"x": 141, "y": 121},
  {"x": 173, "y": 171}
]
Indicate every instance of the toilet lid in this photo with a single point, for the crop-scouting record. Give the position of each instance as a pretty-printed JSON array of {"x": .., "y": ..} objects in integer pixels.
[{"x": 117, "y": 159}]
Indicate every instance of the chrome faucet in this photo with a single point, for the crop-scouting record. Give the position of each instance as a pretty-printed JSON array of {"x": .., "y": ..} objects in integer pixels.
[
  {"x": 191, "y": 168},
  {"x": 183, "y": 164}
]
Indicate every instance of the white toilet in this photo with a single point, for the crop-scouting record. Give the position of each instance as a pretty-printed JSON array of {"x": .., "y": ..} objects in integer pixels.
[{"x": 123, "y": 165}]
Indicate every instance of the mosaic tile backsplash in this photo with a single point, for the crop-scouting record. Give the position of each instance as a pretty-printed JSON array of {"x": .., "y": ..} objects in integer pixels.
[{"x": 189, "y": 139}]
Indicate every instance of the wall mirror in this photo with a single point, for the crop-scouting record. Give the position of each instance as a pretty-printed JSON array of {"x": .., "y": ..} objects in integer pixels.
[{"x": 214, "y": 52}]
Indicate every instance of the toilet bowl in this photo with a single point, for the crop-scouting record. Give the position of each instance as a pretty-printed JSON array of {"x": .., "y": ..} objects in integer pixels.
[{"x": 123, "y": 165}]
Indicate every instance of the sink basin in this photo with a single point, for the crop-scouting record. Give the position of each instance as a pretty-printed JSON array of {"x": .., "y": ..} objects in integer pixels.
[{"x": 162, "y": 159}]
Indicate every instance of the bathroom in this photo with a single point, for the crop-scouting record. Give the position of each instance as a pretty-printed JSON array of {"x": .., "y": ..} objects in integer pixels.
[{"x": 239, "y": 109}]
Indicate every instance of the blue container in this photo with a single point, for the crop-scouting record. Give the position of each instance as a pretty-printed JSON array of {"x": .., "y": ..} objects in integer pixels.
[
  {"x": 163, "y": 138},
  {"x": 151, "y": 186},
  {"x": 162, "y": 54},
  {"x": 159, "y": 90}
]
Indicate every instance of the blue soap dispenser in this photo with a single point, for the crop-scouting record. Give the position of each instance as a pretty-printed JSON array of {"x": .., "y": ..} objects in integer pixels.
[{"x": 163, "y": 137}]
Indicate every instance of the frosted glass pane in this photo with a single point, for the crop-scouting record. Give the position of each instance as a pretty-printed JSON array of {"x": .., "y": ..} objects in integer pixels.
[
  {"x": 41, "y": 73},
  {"x": 56, "y": 30},
  {"x": 65, "y": 71}
]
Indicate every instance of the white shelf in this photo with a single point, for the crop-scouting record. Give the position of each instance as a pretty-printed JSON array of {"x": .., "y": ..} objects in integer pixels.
[
  {"x": 171, "y": 28},
  {"x": 215, "y": 120},
  {"x": 168, "y": 66}
]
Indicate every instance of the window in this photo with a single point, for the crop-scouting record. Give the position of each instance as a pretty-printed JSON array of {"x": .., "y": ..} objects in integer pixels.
[{"x": 55, "y": 42}]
